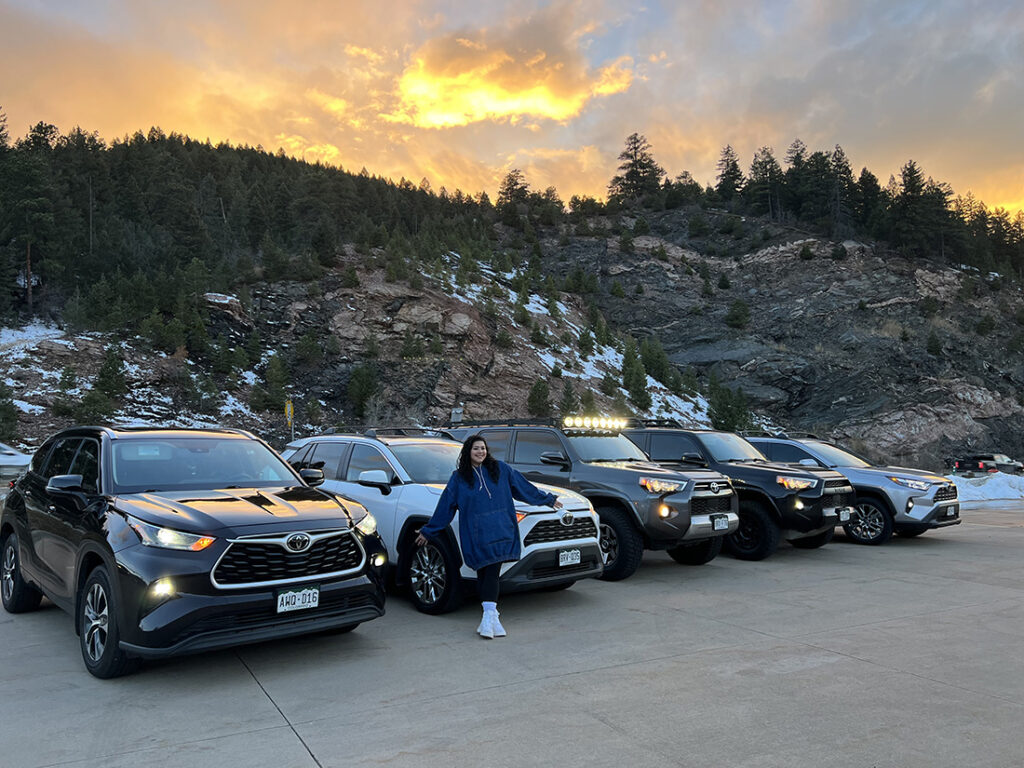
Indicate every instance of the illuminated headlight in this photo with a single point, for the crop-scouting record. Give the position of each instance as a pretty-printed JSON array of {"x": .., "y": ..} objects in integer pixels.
[
  {"x": 367, "y": 525},
  {"x": 909, "y": 482},
  {"x": 794, "y": 483},
  {"x": 654, "y": 485},
  {"x": 168, "y": 538}
]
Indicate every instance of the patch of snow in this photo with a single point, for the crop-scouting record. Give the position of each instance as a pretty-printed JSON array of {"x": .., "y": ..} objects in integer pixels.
[
  {"x": 991, "y": 487},
  {"x": 249, "y": 377},
  {"x": 27, "y": 336},
  {"x": 219, "y": 298},
  {"x": 24, "y": 407}
]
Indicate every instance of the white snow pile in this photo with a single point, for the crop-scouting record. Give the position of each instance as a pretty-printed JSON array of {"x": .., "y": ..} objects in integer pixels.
[
  {"x": 994, "y": 486},
  {"x": 20, "y": 339}
]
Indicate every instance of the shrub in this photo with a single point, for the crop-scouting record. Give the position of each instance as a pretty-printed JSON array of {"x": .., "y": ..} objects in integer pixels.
[
  {"x": 934, "y": 346},
  {"x": 361, "y": 387},
  {"x": 806, "y": 253},
  {"x": 738, "y": 315},
  {"x": 617, "y": 290},
  {"x": 537, "y": 402},
  {"x": 723, "y": 282}
]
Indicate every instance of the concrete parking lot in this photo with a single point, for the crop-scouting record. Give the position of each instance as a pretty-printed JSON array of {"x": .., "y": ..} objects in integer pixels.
[{"x": 904, "y": 655}]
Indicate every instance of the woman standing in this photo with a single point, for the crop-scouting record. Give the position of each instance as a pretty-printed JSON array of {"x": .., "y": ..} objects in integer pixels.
[{"x": 482, "y": 488}]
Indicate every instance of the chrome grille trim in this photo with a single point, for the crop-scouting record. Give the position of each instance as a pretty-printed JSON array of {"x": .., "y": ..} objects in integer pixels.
[{"x": 279, "y": 539}]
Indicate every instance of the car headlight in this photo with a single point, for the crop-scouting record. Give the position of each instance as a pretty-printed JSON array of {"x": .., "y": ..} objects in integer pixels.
[
  {"x": 794, "y": 483},
  {"x": 367, "y": 524},
  {"x": 656, "y": 485},
  {"x": 909, "y": 482},
  {"x": 168, "y": 538}
]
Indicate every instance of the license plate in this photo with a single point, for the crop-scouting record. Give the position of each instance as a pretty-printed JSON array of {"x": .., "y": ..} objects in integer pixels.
[
  {"x": 720, "y": 523},
  {"x": 568, "y": 557},
  {"x": 298, "y": 599},
  {"x": 844, "y": 515}
]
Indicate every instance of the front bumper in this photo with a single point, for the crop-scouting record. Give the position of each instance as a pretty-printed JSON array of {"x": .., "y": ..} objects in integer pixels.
[
  {"x": 540, "y": 568},
  {"x": 692, "y": 516},
  {"x": 197, "y": 616},
  {"x": 916, "y": 510}
]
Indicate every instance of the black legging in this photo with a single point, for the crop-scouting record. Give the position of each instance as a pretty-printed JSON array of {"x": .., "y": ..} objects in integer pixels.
[{"x": 487, "y": 582}]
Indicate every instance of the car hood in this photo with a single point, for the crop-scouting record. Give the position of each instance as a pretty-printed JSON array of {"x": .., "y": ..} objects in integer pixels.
[
  {"x": 906, "y": 472},
  {"x": 569, "y": 499},
  {"x": 666, "y": 470},
  {"x": 209, "y": 511}
]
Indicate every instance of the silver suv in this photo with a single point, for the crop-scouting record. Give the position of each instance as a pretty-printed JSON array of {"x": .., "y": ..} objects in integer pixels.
[
  {"x": 399, "y": 478},
  {"x": 888, "y": 499}
]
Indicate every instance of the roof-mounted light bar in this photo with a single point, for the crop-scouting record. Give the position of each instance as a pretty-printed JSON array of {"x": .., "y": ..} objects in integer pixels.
[{"x": 593, "y": 422}]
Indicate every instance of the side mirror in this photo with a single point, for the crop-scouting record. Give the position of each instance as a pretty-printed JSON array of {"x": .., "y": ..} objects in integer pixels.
[
  {"x": 808, "y": 462},
  {"x": 692, "y": 457},
  {"x": 313, "y": 477},
  {"x": 375, "y": 478},
  {"x": 65, "y": 484},
  {"x": 554, "y": 458}
]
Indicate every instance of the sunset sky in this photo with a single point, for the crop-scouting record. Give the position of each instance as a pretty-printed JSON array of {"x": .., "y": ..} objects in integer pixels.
[{"x": 461, "y": 92}]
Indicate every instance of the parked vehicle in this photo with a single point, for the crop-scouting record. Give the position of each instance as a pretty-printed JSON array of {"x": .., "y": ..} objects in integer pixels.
[
  {"x": 987, "y": 462},
  {"x": 12, "y": 462},
  {"x": 164, "y": 541},
  {"x": 641, "y": 505},
  {"x": 400, "y": 477},
  {"x": 888, "y": 499},
  {"x": 775, "y": 501}
]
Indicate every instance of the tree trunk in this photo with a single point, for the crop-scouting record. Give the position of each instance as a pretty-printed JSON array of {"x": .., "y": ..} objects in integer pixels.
[{"x": 28, "y": 275}]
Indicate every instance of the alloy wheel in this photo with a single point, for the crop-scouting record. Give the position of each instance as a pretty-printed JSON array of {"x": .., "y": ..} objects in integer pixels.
[
  {"x": 9, "y": 567},
  {"x": 96, "y": 611},
  {"x": 609, "y": 544},
  {"x": 427, "y": 574},
  {"x": 869, "y": 523}
]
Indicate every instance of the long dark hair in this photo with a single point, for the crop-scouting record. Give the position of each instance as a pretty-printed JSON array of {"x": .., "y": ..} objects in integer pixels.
[{"x": 465, "y": 464}]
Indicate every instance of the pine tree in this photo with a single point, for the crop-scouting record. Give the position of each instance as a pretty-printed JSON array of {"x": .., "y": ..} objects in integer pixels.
[
  {"x": 537, "y": 402},
  {"x": 110, "y": 380},
  {"x": 730, "y": 177},
  {"x": 639, "y": 174},
  {"x": 362, "y": 385},
  {"x": 569, "y": 402}
]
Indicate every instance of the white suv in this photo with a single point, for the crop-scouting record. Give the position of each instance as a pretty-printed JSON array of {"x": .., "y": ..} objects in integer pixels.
[{"x": 399, "y": 478}]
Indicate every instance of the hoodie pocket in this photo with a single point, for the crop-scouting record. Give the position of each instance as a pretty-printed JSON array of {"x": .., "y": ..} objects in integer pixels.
[{"x": 493, "y": 527}]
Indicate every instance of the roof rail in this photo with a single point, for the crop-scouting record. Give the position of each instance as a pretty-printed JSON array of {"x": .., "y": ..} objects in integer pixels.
[
  {"x": 635, "y": 421},
  {"x": 780, "y": 435},
  {"x": 502, "y": 423},
  {"x": 363, "y": 431},
  {"x": 759, "y": 433}
]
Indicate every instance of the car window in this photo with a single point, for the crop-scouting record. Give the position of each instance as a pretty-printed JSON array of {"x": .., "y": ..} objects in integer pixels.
[
  {"x": 63, "y": 454},
  {"x": 668, "y": 447},
  {"x": 787, "y": 454},
  {"x": 301, "y": 455},
  {"x": 87, "y": 464},
  {"x": 365, "y": 458},
  {"x": 606, "y": 448},
  {"x": 39, "y": 458},
  {"x": 327, "y": 456},
  {"x": 497, "y": 442},
  {"x": 428, "y": 462},
  {"x": 530, "y": 444}
]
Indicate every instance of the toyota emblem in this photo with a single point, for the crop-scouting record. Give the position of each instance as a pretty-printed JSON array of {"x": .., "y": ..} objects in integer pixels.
[
  {"x": 714, "y": 487},
  {"x": 298, "y": 542},
  {"x": 567, "y": 518}
]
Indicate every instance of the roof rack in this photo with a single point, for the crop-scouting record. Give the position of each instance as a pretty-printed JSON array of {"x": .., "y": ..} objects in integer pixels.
[
  {"x": 635, "y": 421},
  {"x": 502, "y": 423},
  {"x": 780, "y": 435},
  {"x": 380, "y": 431}
]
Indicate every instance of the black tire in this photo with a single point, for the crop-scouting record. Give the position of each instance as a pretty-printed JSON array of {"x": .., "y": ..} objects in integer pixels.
[
  {"x": 432, "y": 573},
  {"x": 621, "y": 545},
  {"x": 815, "y": 541},
  {"x": 758, "y": 534},
  {"x": 698, "y": 553},
  {"x": 909, "y": 533},
  {"x": 18, "y": 595},
  {"x": 98, "y": 633},
  {"x": 871, "y": 522}
]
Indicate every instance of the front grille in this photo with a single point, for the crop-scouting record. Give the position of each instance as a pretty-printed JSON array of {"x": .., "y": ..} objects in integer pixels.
[
  {"x": 545, "y": 571},
  {"x": 250, "y": 562},
  {"x": 706, "y": 487},
  {"x": 839, "y": 500},
  {"x": 553, "y": 530},
  {"x": 836, "y": 483},
  {"x": 945, "y": 493},
  {"x": 707, "y": 505},
  {"x": 247, "y": 619}
]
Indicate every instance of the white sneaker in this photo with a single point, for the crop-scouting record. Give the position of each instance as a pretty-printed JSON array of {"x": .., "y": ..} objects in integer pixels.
[
  {"x": 486, "y": 628},
  {"x": 499, "y": 631}
]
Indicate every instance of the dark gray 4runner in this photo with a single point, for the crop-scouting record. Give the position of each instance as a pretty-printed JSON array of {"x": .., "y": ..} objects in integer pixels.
[{"x": 641, "y": 505}]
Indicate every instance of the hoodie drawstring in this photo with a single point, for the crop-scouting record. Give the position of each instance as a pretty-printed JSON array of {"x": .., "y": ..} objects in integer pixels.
[{"x": 480, "y": 476}]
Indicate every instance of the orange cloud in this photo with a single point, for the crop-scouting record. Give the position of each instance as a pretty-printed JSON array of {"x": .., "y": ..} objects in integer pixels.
[{"x": 475, "y": 76}]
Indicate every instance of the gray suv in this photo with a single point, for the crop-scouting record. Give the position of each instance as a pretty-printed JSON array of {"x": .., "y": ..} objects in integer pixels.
[
  {"x": 887, "y": 499},
  {"x": 641, "y": 505}
]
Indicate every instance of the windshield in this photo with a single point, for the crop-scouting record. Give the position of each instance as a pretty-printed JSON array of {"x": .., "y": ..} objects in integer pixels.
[
  {"x": 606, "y": 448},
  {"x": 837, "y": 457},
  {"x": 724, "y": 446},
  {"x": 196, "y": 463},
  {"x": 428, "y": 462}
]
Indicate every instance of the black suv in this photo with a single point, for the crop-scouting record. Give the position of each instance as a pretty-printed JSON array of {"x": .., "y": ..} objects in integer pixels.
[
  {"x": 161, "y": 542},
  {"x": 640, "y": 505},
  {"x": 801, "y": 504}
]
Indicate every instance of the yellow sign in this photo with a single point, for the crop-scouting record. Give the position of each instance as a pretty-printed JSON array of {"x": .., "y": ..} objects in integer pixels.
[{"x": 289, "y": 411}]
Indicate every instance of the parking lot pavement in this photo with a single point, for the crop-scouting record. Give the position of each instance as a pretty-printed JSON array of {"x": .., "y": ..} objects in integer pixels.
[{"x": 904, "y": 655}]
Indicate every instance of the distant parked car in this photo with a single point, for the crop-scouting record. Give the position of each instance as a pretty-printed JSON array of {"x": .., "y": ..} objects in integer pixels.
[
  {"x": 162, "y": 542},
  {"x": 399, "y": 477},
  {"x": 888, "y": 500},
  {"x": 12, "y": 462},
  {"x": 987, "y": 462}
]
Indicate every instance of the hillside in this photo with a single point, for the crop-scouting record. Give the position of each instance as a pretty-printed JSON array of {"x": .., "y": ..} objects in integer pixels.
[{"x": 892, "y": 356}]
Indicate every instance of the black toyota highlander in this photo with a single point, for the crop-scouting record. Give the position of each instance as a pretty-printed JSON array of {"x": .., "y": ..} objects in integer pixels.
[{"x": 165, "y": 541}]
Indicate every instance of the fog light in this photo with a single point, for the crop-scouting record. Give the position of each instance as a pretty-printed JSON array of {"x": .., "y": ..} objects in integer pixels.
[
  {"x": 664, "y": 511},
  {"x": 379, "y": 559},
  {"x": 798, "y": 504},
  {"x": 910, "y": 504},
  {"x": 162, "y": 588}
]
